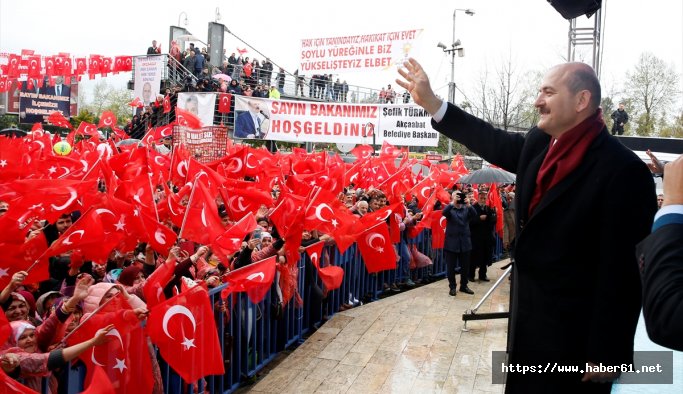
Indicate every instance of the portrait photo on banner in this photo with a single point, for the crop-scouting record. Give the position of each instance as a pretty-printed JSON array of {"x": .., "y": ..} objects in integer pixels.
[
  {"x": 200, "y": 104},
  {"x": 252, "y": 118},
  {"x": 148, "y": 70}
]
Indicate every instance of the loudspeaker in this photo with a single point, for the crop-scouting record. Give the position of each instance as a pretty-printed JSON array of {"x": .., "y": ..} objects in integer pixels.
[{"x": 570, "y": 9}]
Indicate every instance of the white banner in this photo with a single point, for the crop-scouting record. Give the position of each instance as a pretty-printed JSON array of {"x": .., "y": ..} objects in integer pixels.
[
  {"x": 148, "y": 70},
  {"x": 365, "y": 52},
  {"x": 299, "y": 121},
  {"x": 200, "y": 104}
]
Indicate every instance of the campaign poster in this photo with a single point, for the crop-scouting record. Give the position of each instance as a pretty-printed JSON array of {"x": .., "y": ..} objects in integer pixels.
[
  {"x": 360, "y": 52},
  {"x": 148, "y": 71},
  {"x": 200, "y": 104}
]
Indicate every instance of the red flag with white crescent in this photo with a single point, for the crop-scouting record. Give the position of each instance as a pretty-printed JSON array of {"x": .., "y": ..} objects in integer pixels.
[
  {"x": 254, "y": 279},
  {"x": 187, "y": 119},
  {"x": 184, "y": 330},
  {"x": 376, "y": 249},
  {"x": 224, "y": 101}
]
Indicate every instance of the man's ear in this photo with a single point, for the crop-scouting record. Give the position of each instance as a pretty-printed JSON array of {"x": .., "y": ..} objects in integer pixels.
[{"x": 584, "y": 99}]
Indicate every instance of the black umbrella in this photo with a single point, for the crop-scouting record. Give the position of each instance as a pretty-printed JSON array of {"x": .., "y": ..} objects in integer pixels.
[
  {"x": 130, "y": 141},
  {"x": 13, "y": 132},
  {"x": 488, "y": 175}
]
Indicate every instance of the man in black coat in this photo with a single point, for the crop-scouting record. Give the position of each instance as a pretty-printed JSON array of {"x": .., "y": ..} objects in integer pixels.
[
  {"x": 620, "y": 118},
  {"x": 661, "y": 259},
  {"x": 482, "y": 238},
  {"x": 458, "y": 244},
  {"x": 583, "y": 202}
]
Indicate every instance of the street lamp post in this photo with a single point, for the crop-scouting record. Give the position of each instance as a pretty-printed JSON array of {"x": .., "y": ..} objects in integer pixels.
[
  {"x": 181, "y": 14},
  {"x": 455, "y": 46}
]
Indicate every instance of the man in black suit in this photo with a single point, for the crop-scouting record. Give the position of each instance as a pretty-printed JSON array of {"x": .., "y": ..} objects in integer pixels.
[
  {"x": 483, "y": 240},
  {"x": 458, "y": 244},
  {"x": 661, "y": 260},
  {"x": 60, "y": 89},
  {"x": 583, "y": 202}
]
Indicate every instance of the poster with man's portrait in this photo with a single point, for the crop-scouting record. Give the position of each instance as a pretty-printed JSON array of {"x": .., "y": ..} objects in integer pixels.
[
  {"x": 200, "y": 104},
  {"x": 252, "y": 118}
]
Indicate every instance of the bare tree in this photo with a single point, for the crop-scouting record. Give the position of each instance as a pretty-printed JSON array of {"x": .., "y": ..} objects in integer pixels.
[
  {"x": 652, "y": 88},
  {"x": 109, "y": 98},
  {"x": 507, "y": 98}
]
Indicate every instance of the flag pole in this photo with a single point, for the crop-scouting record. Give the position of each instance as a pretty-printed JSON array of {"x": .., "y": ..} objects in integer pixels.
[
  {"x": 88, "y": 318},
  {"x": 187, "y": 209},
  {"x": 151, "y": 187}
]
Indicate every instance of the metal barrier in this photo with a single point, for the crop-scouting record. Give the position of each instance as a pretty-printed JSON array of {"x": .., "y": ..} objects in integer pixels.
[{"x": 250, "y": 336}]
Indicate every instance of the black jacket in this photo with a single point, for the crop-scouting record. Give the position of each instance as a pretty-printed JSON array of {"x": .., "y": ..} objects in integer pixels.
[
  {"x": 575, "y": 292},
  {"x": 661, "y": 257}
]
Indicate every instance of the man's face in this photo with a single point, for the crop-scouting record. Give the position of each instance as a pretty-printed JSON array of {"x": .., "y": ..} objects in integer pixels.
[
  {"x": 482, "y": 198},
  {"x": 154, "y": 43},
  {"x": 63, "y": 224},
  {"x": 146, "y": 92},
  {"x": 363, "y": 209},
  {"x": 254, "y": 107},
  {"x": 660, "y": 200},
  {"x": 374, "y": 205},
  {"x": 621, "y": 107},
  {"x": 191, "y": 106},
  {"x": 4, "y": 206},
  {"x": 556, "y": 104}
]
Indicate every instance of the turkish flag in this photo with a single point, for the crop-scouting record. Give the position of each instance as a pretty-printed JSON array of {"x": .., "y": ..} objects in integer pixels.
[
  {"x": 100, "y": 383},
  {"x": 389, "y": 150},
  {"x": 422, "y": 190},
  {"x": 493, "y": 200},
  {"x": 26, "y": 257},
  {"x": 159, "y": 237},
  {"x": 13, "y": 66},
  {"x": 34, "y": 70},
  {"x": 167, "y": 104},
  {"x": 137, "y": 103},
  {"x": 108, "y": 119},
  {"x": 438, "y": 229},
  {"x": 231, "y": 240},
  {"x": 184, "y": 330},
  {"x": 153, "y": 289},
  {"x": 202, "y": 223},
  {"x": 5, "y": 84},
  {"x": 180, "y": 161},
  {"x": 376, "y": 249},
  {"x": 254, "y": 279},
  {"x": 90, "y": 129},
  {"x": 332, "y": 276},
  {"x": 125, "y": 358},
  {"x": 241, "y": 201},
  {"x": 326, "y": 213},
  {"x": 9, "y": 385},
  {"x": 88, "y": 235},
  {"x": 5, "y": 328},
  {"x": 53, "y": 66},
  {"x": 362, "y": 152},
  {"x": 94, "y": 65},
  {"x": 56, "y": 118},
  {"x": 187, "y": 119},
  {"x": 224, "y": 101},
  {"x": 67, "y": 66},
  {"x": 242, "y": 51},
  {"x": 49, "y": 198},
  {"x": 81, "y": 65},
  {"x": 105, "y": 66}
]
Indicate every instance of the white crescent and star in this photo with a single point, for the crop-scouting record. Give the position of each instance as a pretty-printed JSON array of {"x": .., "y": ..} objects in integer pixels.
[
  {"x": 371, "y": 237},
  {"x": 179, "y": 310},
  {"x": 72, "y": 197},
  {"x": 256, "y": 275},
  {"x": 67, "y": 240},
  {"x": 160, "y": 237}
]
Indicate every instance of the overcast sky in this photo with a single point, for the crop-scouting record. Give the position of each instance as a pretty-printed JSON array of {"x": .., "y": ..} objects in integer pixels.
[{"x": 531, "y": 30}]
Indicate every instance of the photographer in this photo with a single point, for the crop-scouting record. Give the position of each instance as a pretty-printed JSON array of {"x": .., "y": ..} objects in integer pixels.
[{"x": 458, "y": 244}]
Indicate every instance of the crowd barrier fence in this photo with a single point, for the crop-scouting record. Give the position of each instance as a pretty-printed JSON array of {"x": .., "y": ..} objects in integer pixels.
[{"x": 253, "y": 336}]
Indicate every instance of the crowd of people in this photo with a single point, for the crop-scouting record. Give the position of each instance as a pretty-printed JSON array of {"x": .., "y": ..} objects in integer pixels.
[{"x": 42, "y": 313}]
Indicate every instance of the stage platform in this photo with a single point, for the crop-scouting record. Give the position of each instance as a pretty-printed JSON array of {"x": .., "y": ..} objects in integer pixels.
[{"x": 411, "y": 342}]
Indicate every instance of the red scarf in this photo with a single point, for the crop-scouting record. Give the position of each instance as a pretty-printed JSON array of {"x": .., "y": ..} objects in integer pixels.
[{"x": 564, "y": 155}]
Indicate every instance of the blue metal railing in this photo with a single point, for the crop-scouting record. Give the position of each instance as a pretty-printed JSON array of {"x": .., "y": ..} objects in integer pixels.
[{"x": 250, "y": 337}]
